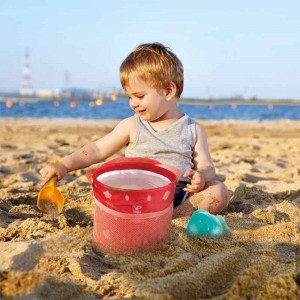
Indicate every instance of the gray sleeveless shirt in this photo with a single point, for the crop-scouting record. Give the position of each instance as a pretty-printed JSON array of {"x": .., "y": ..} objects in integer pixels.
[{"x": 173, "y": 146}]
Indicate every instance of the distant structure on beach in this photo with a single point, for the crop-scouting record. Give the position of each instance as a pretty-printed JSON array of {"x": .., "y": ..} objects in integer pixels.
[
  {"x": 26, "y": 88},
  {"x": 66, "y": 92}
]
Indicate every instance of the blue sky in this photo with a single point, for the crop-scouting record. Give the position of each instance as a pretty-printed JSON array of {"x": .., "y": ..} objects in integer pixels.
[{"x": 226, "y": 47}]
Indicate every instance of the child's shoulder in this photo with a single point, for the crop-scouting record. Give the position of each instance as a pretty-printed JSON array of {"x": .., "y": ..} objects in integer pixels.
[
  {"x": 124, "y": 128},
  {"x": 196, "y": 128},
  {"x": 199, "y": 127},
  {"x": 195, "y": 122},
  {"x": 128, "y": 121},
  {"x": 127, "y": 124}
]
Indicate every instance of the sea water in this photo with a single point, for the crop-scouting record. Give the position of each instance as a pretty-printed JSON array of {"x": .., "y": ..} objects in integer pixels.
[{"x": 120, "y": 109}]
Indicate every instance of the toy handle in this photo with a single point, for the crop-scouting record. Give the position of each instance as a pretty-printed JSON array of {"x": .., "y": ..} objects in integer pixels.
[
  {"x": 137, "y": 160},
  {"x": 171, "y": 168},
  {"x": 52, "y": 182}
]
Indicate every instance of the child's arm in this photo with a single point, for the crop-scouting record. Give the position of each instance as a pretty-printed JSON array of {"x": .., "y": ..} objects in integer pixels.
[
  {"x": 204, "y": 169},
  {"x": 91, "y": 153}
]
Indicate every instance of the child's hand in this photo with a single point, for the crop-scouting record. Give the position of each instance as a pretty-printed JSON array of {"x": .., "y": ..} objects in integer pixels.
[
  {"x": 51, "y": 170},
  {"x": 197, "y": 181}
]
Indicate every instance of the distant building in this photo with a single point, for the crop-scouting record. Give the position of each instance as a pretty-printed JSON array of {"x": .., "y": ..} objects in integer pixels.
[
  {"x": 57, "y": 92},
  {"x": 26, "y": 88},
  {"x": 44, "y": 93}
]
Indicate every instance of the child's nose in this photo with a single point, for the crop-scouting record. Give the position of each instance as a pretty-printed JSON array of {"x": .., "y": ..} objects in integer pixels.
[{"x": 134, "y": 103}]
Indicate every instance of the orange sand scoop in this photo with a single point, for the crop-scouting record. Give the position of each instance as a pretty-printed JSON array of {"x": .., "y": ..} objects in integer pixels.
[{"x": 50, "y": 199}]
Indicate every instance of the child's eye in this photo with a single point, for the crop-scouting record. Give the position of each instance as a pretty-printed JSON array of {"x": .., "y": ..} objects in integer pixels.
[{"x": 140, "y": 96}]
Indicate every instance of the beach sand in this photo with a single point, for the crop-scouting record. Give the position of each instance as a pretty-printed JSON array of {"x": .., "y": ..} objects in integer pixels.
[{"x": 44, "y": 257}]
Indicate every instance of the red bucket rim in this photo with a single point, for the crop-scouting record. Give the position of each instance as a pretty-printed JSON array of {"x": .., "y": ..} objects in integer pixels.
[{"x": 134, "y": 163}]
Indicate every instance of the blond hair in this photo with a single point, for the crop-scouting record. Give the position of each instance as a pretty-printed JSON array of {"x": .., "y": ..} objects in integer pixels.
[{"x": 154, "y": 63}]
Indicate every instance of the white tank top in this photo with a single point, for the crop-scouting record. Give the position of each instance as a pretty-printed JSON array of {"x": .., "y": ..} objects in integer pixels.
[{"x": 173, "y": 146}]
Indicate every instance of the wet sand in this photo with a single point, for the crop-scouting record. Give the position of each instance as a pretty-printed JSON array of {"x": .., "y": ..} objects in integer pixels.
[{"x": 45, "y": 257}]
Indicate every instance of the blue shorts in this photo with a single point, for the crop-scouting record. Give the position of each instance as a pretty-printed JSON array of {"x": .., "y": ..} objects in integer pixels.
[{"x": 180, "y": 195}]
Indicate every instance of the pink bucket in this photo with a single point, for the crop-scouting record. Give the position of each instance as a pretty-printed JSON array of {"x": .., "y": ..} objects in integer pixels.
[{"x": 133, "y": 204}]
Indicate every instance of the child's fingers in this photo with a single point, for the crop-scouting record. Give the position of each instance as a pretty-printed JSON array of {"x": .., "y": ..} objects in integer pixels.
[
  {"x": 196, "y": 181},
  {"x": 43, "y": 172},
  {"x": 46, "y": 175},
  {"x": 44, "y": 181},
  {"x": 189, "y": 174},
  {"x": 192, "y": 188}
]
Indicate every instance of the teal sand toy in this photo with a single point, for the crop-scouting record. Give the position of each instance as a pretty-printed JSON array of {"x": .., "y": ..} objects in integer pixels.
[{"x": 204, "y": 224}]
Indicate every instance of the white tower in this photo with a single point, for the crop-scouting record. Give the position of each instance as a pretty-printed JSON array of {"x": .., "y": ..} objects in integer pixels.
[
  {"x": 67, "y": 80},
  {"x": 26, "y": 89}
]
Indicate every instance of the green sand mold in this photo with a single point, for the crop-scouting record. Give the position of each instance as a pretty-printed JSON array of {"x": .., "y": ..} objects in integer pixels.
[{"x": 204, "y": 224}]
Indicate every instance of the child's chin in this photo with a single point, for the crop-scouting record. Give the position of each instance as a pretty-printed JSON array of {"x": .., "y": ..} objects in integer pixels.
[{"x": 145, "y": 117}]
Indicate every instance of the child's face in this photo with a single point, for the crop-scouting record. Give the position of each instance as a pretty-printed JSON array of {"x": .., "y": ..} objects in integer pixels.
[{"x": 148, "y": 102}]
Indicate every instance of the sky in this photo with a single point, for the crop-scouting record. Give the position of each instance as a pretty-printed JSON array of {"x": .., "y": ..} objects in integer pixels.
[{"x": 228, "y": 48}]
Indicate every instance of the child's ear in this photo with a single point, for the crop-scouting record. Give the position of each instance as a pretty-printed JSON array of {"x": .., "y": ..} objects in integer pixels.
[{"x": 171, "y": 90}]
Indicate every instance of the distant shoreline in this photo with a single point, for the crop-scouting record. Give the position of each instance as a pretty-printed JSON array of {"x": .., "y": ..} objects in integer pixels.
[
  {"x": 239, "y": 102},
  {"x": 181, "y": 101}
]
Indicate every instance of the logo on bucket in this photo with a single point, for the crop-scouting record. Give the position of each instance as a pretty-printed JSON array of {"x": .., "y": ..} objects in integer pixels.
[{"x": 137, "y": 209}]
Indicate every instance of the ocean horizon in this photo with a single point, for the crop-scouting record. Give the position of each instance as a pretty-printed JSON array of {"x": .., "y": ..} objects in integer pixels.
[{"x": 120, "y": 109}]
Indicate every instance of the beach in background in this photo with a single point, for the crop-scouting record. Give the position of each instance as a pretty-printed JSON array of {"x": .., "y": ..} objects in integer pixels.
[{"x": 54, "y": 258}]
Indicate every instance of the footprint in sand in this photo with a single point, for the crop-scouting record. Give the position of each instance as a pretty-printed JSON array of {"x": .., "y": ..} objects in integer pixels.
[
  {"x": 82, "y": 216},
  {"x": 8, "y": 146},
  {"x": 5, "y": 220},
  {"x": 254, "y": 179},
  {"x": 19, "y": 256},
  {"x": 14, "y": 168}
]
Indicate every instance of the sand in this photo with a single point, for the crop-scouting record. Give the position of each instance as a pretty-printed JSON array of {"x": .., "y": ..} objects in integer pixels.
[{"x": 48, "y": 257}]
